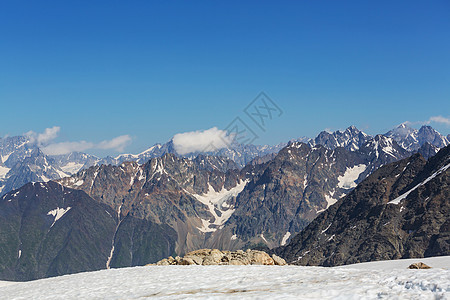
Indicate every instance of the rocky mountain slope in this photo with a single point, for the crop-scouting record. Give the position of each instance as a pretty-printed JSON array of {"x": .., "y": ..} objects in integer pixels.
[
  {"x": 186, "y": 195},
  {"x": 216, "y": 207},
  {"x": 48, "y": 230},
  {"x": 400, "y": 211},
  {"x": 286, "y": 193},
  {"x": 22, "y": 161}
]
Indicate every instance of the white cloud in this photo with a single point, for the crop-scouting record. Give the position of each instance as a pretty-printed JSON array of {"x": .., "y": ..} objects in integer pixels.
[
  {"x": 440, "y": 119},
  {"x": 44, "y": 141},
  {"x": 67, "y": 147},
  {"x": 117, "y": 143},
  {"x": 196, "y": 141},
  {"x": 434, "y": 119},
  {"x": 47, "y": 136}
]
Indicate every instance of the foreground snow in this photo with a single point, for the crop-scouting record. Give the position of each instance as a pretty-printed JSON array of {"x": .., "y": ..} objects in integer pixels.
[{"x": 388, "y": 279}]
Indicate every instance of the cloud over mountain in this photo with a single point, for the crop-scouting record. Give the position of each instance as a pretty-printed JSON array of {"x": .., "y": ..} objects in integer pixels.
[
  {"x": 201, "y": 140},
  {"x": 440, "y": 119},
  {"x": 48, "y": 135},
  {"x": 44, "y": 140}
]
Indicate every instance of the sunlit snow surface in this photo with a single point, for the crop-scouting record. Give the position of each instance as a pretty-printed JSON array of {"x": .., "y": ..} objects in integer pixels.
[{"x": 380, "y": 280}]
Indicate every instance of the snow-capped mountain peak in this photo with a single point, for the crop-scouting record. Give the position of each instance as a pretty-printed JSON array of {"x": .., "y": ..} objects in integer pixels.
[
  {"x": 412, "y": 139},
  {"x": 351, "y": 139}
]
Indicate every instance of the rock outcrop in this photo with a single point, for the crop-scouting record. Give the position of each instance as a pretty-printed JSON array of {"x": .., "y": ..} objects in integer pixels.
[
  {"x": 206, "y": 257},
  {"x": 419, "y": 265}
]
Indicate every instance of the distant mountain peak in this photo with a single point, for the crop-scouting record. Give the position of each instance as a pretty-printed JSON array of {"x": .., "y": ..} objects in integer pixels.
[
  {"x": 412, "y": 139},
  {"x": 351, "y": 139},
  {"x": 352, "y": 128}
]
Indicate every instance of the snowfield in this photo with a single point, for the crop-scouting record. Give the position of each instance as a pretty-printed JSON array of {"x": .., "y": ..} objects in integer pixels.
[{"x": 375, "y": 280}]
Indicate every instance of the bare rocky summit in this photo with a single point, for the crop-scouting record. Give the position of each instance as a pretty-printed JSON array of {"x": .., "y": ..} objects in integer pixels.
[{"x": 207, "y": 257}]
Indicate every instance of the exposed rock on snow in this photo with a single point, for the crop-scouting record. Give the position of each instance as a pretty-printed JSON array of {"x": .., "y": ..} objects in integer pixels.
[
  {"x": 419, "y": 265},
  {"x": 216, "y": 257}
]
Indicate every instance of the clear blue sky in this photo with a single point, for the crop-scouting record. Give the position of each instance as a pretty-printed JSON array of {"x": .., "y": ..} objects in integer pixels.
[{"x": 151, "y": 69}]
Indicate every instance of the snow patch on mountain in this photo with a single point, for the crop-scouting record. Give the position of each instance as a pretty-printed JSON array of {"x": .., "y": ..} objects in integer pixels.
[
  {"x": 347, "y": 181},
  {"x": 72, "y": 167},
  {"x": 58, "y": 213},
  {"x": 218, "y": 206},
  {"x": 285, "y": 238},
  {"x": 3, "y": 159},
  {"x": 79, "y": 182},
  {"x": 3, "y": 171},
  {"x": 330, "y": 200}
]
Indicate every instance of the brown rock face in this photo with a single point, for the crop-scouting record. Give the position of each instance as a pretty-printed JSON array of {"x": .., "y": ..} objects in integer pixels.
[{"x": 208, "y": 257}]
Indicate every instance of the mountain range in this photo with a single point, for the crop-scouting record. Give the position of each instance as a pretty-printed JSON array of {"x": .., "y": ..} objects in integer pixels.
[
  {"x": 137, "y": 209},
  {"x": 22, "y": 161}
]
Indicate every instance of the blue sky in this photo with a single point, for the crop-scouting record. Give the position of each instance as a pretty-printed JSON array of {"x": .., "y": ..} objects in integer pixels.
[{"x": 151, "y": 69}]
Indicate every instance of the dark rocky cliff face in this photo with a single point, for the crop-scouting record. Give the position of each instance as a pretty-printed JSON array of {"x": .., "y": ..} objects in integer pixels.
[
  {"x": 286, "y": 193},
  {"x": 400, "y": 211},
  {"x": 428, "y": 150},
  {"x": 49, "y": 230}
]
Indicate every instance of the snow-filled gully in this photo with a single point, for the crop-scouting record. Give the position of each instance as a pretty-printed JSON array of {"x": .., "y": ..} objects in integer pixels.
[{"x": 108, "y": 261}]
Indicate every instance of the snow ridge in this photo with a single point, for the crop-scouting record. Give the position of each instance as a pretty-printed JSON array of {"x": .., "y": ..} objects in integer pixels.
[{"x": 404, "y": 195}]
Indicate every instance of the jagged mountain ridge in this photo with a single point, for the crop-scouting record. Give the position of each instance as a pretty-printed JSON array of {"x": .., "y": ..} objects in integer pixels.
[
  {"x": 412, "y": 139},
  {"x": 351, "y": 139},
  {"x": 22, "y": 161},
  {"x": 63, "y": 165},
  {"x": 241, "y": 154},
  {"x": 400, "y": 211}
]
